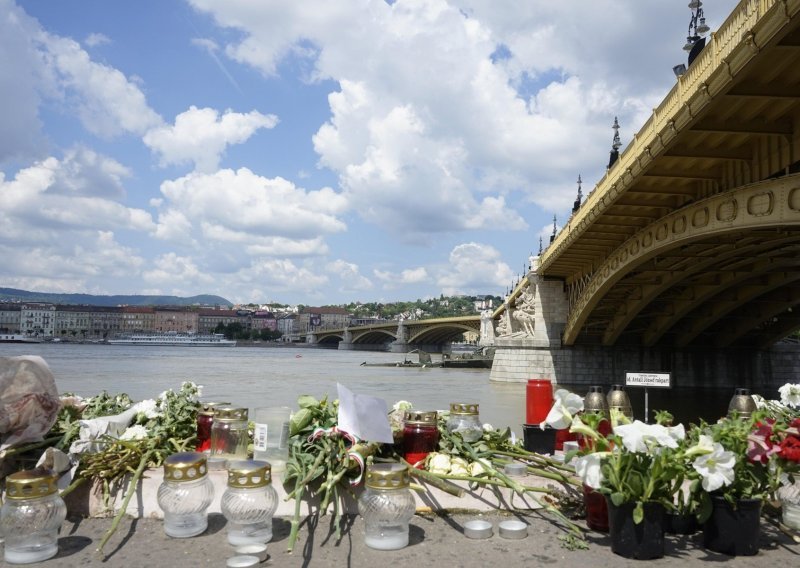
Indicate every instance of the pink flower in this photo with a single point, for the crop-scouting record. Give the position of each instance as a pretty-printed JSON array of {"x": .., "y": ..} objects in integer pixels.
[{"x": 759, "y": 443}]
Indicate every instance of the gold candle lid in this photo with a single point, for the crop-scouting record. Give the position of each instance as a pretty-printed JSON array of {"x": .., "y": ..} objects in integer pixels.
[
  {"x": 185, "y": 466},
  {"x": 230, "y": 413},
  {"x": 463, "y": 408},
  {"x": 420, "y": 417},
  {"x": 387, "y": 476},
  {"x": 208, "y": 408},
  {"x": 31, "y": 483},
  {"x": 247, "y": 474}
]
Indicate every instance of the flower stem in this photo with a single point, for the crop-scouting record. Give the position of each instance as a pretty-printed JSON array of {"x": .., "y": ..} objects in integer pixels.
[{"x": 128, "y": 495}]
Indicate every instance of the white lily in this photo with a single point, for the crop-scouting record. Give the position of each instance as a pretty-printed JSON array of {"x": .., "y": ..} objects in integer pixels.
[
  {"x": 565, "y": 406},
  {"x": 588, "y": 469},
  {"x": 716, "y": 468}
]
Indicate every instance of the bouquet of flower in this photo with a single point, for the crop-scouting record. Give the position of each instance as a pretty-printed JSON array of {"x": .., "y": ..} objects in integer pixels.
[{"x": 635, "y": 463}]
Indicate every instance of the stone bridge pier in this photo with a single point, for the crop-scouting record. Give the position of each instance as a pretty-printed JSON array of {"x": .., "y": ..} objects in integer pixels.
[{"x": 521, "y": 355}]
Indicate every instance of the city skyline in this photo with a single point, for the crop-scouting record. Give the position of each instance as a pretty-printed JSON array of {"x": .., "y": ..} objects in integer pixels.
[{"x": 311, "y": 152}]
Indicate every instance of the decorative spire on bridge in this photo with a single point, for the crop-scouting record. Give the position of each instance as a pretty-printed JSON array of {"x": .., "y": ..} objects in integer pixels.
[
  {"x": 615, "y": 144},
  {"x": 540, "y": 245},
  {"x": 553, "y": 236},
  {"x": 577, "y": 204}
]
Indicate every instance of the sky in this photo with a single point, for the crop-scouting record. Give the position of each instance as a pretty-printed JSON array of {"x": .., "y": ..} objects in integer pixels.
[{"x": 312, "y": 151}]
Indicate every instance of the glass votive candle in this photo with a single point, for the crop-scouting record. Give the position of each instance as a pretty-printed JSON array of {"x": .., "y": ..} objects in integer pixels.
[
  {"x": 205, "y": 419},
  {"x": 420, "y": 436},
  {"x": 31, "y": 516},
  {"x": 185, "y": 494},
  {"x": 249, "y": 502},
  {"x": 464, "y": 420},
  {"x": 229, "y": 436},
  {"x": 386, "y": 505}
]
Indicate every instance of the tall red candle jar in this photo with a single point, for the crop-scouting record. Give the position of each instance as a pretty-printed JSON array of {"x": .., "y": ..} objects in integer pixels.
[
  {"x": 420, "y": 436},
  {"x": 538, "y": 400}
]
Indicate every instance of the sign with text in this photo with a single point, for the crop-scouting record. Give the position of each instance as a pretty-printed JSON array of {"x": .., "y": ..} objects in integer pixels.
[{"x": 643, "y": 379}]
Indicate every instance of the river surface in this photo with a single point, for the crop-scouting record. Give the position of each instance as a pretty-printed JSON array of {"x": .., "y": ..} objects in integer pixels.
[{"x": 275, "y": 376}]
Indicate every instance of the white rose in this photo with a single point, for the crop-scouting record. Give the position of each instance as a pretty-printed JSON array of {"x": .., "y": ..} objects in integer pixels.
[
  {"x": 439, "y": 463},
  {"x": 459, "y": 466},
  {"x": 478, "y": 467}
]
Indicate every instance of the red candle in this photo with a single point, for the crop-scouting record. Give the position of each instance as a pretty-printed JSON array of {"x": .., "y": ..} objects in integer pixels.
[
  {"x": 538, "y": 400},
  {"x": 420, "y": 436}
]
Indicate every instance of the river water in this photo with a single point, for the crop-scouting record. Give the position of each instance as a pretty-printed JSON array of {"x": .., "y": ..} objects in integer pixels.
[{"x": 275, "y": 376}]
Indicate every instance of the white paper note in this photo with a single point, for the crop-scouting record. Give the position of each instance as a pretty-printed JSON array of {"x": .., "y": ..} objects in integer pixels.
[{"x": 363, "y": 416}]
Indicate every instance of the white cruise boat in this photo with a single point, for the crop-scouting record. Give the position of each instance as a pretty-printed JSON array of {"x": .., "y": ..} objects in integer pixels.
[
  {"x": 18, "y": 338},
  {"x": 173, "y": 338}
]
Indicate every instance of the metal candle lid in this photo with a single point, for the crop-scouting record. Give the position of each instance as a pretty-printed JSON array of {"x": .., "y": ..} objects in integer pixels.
[
  {"x": 420, "y": 417},
  {"x": 742, "y": 404},
  {"x": 463, "y": 408},
  {"x": 208, "y": 408},
  {"x": 230, "y": 413},
  {"x": 31, "y": 484},
  {"x": 247, "y": 474},
  {"x": 387, "y": 476},
  {"x": 185, "y": 466}
]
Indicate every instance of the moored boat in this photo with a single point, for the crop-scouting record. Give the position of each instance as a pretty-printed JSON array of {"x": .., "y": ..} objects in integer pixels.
[
  {"x": 18, "y": 338},
  {"x": 174, "y": 338}
]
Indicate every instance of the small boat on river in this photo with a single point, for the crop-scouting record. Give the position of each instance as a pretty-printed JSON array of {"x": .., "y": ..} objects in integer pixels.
[
  {"x": 174, "y": 338},
  {"x": 18, "y": 338}
]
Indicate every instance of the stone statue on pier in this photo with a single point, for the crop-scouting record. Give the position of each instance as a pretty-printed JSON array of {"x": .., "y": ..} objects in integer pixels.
[
  {"x": 487, "y": 328},
  {"x": 504, "y": 325},
  {"x": 525, "y": 309}
]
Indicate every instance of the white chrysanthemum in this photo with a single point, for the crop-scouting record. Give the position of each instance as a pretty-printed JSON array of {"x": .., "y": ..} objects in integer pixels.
[
  {"x": 149, "y": 408},
  {"x": 488, "y": 427},
  {"x": 402, "y": 405},
  {"x": 136, "y": 432},
  {"x": 790, "y": 394}
]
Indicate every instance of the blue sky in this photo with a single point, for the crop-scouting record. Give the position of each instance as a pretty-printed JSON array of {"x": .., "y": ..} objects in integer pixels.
[{"x": 311, "y": 152}]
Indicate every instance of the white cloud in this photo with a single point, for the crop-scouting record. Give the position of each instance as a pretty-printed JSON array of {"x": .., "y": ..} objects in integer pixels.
[
  {"x": 107, "y": 103},
  {"x": 240, "y": 202},
  {"x": 200, "y": 136},
  {"x": 95, "y": 39},
  {"x": 348, "y": 274},
  {"x": 474, "y": 268}
]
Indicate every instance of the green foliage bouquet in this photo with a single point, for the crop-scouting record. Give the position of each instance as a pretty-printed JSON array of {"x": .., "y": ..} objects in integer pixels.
[{"x": 635, "y": 463}]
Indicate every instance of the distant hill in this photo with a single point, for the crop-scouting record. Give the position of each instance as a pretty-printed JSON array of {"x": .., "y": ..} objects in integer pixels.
[{"x": 13, "y": 295}]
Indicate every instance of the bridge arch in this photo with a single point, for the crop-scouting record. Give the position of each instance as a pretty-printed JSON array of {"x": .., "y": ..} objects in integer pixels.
[{"x": 722, "y": 234}]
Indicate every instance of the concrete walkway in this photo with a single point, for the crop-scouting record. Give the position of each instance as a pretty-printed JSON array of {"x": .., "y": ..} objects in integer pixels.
[{"x": 435, "y": 541}]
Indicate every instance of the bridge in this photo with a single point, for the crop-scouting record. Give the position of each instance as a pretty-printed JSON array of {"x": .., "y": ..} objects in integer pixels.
[
  {"x": 399, "y": 337},
  {"x": 684, "y": 257}
]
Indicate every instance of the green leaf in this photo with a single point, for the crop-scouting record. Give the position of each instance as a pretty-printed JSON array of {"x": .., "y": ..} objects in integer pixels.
[
  {"x": 307, "y": 401},
  {"x": 705, "y": 508},
  {"x": 617, "y": 498},
  {"x": 300, "y": 420},
  {"x": 638, "y": 513}
]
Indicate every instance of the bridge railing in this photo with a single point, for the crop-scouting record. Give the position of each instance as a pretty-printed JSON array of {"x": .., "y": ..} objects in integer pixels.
[{"x": 730, "y": 35}]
